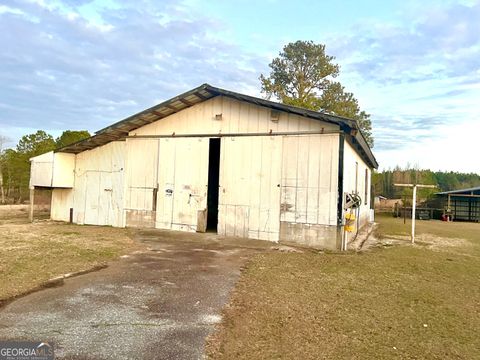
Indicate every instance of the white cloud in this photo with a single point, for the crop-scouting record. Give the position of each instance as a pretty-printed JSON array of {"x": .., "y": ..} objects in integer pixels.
[
  {"x": 126, "y": 60},
  {"x": 85, "y": 64},
  {"x": 9, "y": 10},
  {"x": 420, "y": 81}
]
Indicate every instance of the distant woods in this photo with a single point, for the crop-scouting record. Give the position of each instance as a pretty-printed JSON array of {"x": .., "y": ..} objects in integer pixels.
[
  {"x": 383, "y": 182},
  {"x": 15, "y": 170},
  {"x": 15, "y": 162}
]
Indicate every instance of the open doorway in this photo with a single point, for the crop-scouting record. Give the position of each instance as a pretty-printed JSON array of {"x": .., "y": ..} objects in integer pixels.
[{"x": 213, "y": 183}]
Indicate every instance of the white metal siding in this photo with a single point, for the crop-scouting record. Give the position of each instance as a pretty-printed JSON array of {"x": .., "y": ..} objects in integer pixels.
[
  {"x": 141, "y": 173},
  {"x": 249, "y": 199},
  {"x": 41, "y": 170},
  {"x": 62, "y": 201},
  {"x": 166, "y": 183},
  {"x": 310, "y": 179},
  {"x": 99, "y": 179},
  {"x": 52, "y": 170},
  {"x": 351, "y": 159},
  {"x": 251, "y": 182},
  {"x": 237, "y": 117},
  {"x": 63, "y": 170},
  {"x": 183, "y": 180}
]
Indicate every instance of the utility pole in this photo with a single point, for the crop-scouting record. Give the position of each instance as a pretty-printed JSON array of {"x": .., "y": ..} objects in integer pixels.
[{"x": 414, "y": 202}]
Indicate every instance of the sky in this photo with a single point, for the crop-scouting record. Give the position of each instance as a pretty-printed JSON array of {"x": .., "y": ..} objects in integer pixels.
[{"x": 83, "y": 65}]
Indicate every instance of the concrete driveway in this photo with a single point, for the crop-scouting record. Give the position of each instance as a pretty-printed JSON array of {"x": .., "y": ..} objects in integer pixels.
[{"x": 158, "y": 304}]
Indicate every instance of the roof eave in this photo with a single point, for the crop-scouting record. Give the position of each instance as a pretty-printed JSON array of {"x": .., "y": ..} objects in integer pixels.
[{"x": 121, "y": 129}]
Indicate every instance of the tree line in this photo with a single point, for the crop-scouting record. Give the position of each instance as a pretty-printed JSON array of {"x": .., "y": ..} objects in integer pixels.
[
  {"x": 383, "y": 182},
  {"x": 15, "y": 162}
]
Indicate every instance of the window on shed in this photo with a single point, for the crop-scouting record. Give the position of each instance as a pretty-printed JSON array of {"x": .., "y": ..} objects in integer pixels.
[{"x": 366, "y": 186}]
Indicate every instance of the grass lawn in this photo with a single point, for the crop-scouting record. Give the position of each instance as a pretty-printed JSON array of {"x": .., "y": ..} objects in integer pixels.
[
  {"x": 31, "y": 254},
  {"x": 390, "y": 302}
]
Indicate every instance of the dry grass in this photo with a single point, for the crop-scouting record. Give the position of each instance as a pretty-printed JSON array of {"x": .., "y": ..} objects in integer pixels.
[
  {"x": 31, "y": 254},
  {"x": 395, "y": 226},
  {"x": 392, "y": 302}
]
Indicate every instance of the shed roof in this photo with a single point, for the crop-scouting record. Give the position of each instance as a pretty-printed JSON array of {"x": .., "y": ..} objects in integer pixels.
[
  {"x": 460, "y": 191},
  {"x": 120, "y": 130}
]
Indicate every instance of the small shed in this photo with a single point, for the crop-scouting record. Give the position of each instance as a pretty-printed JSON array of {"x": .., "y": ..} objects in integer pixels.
[
  {"x": 462, "y": 204},
  {"x": 380, "y": 200}
]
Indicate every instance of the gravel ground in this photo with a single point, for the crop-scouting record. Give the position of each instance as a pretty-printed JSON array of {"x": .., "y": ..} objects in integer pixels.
[{"x": 159, "y": 303}]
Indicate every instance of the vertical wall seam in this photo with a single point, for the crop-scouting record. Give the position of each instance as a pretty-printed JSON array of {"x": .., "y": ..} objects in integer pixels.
[
  {"x": 296, "y": 179},
  {"x": 340, "y": 179},
  {"x": 332, "y": 159},
  {"x": 320, "y": 157},
  {"x": 308, "y": 178}
]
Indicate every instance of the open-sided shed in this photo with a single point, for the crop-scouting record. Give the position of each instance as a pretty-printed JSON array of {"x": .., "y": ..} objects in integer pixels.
[
  {"x": 213, "y": 159},
  {"x": 462, "y": 204}
]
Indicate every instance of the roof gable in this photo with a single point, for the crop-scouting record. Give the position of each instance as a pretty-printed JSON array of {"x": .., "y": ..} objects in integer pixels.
[{"x": 121, "y": 129}]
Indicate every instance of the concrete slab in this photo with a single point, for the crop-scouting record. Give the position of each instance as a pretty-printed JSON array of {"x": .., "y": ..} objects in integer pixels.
[{"x": 157, "y": 304}]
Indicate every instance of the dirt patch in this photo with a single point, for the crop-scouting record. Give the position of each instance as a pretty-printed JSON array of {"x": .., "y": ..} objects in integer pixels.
[
  {"x": 33, "y": 253},
  {"x": 364, "y": 239},
  {"x": 427, "y": 240},
  {"x": 18, "y": 214}
]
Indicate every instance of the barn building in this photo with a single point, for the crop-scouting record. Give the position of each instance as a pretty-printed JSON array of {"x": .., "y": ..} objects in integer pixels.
[{"x": 216, "y": 160}]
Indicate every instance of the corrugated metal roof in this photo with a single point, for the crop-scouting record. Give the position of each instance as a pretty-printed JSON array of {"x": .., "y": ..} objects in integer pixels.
[
  {"x": 460, "y": 191},
  {"x": 120, "y": 130}
]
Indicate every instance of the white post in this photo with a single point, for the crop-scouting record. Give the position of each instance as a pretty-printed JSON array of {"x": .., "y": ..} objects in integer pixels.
[{"x": 414, "y": 204}]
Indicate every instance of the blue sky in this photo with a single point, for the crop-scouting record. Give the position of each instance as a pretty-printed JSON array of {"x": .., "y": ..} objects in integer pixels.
[{"x": 414, "y": 66}]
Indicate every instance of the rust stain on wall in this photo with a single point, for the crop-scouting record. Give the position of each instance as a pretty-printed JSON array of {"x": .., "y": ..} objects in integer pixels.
[{"x": 285, "y": 207}]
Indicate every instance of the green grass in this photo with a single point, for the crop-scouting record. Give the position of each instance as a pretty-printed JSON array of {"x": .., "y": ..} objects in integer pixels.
[{"x": 398, "y": 302}]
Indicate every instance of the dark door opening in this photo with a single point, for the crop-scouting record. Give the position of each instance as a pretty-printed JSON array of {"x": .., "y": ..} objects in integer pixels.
[{"x": 213, "y": 183}]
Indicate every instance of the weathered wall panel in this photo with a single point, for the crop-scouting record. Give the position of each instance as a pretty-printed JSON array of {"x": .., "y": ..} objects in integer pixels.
[
  {"x": 99, "y": 180},
  {"x": 190, "y": 182},
  {"x": 309, "y": 190},
  {"x": 354, "y": 180},
  {"x": 236, "y": 117},
  {"x": 183, "y": 180},
  {"x": 310, "y": 235},
  {"x": 41, "y": 170},
  {"x": 63, "y": 170},
  {"x": 52, "y": 170},
  {"x": 62, "y": 201},
  {"x": 141, "y": 182},
  {"x": 309, "y": 179},
  {"x": 250, "y": 170},
  {"x": 166, "y": 180}
]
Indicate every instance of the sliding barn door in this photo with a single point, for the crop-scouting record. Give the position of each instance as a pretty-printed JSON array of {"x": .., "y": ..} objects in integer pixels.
[
  {"x": 250, "y": 174},
  {"x": 182, "y": 184},
  {"x": 98, "y": 198}
]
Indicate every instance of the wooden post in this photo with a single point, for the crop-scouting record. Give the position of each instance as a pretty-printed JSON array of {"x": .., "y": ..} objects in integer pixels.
[
  {"x": 32, "y": 200},
  {"x": 449, "y": 209}
]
